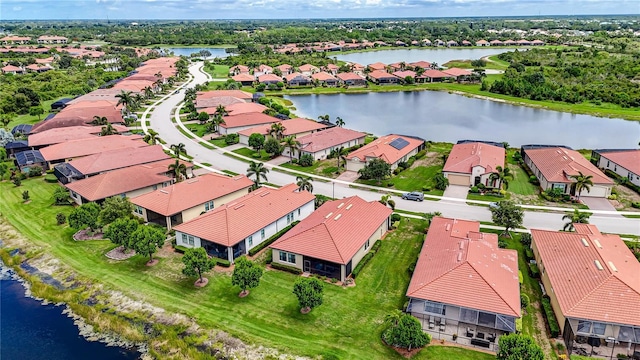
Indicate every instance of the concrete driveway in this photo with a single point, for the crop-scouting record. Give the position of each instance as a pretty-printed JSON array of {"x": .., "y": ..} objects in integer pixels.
[
  {"x": 596, "y": 203},
  {"x": 349, "y": 176},
  {"x": 279, "y": 160},
  {"x": 456, "y": 191}
]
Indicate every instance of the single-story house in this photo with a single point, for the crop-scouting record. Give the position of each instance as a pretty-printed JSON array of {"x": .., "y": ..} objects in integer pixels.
[
  {"x": 320, "y": 143},
  {"x": 472, "y": 163},
  {"x": 70, "y": 133},
  {"x": 625, "y": 163},
  {"x": 30, "y": 158},
  {"x": 214, "y": 102},
  {"x": 496, "y": 43},
  {"x": 14, "y": 39},
  {"x": 239, "y": 108},
  {"x": 331, "y": 69},
  {"x": 79, "y": 114},
  {"x": 351, "y": 79},
  {"x": 16, "y": 146},
  {"x": 421, "y": 64},
  {"x": 308, "y": 69},
  {"x": 397, "y": 66},
  {"x": 402, "y": 75},
  {"x": 285, "y": 69},
  {"x": 140, "y": 179},
  {"x": 333, "y": 239},
  {"x": 21, "y": 129},
  {"x": 438, "y": 42},
  {"x": 592, "y": 282},
  {"x": 482, "y": 42},
  {"x": 269, "y": 79},
  {"x": 231, "y": 230},
  {"x": 239, "y": 94},
  {"x": 297, "y": 127},
  {"x": 451, "y": 43},
  {"x": 537, "y": 42},
  {"x": 244, "y": 79},
  {"x": 377, "y": 66},
  {"x": 457, "y": 73},
  {"x": 38, "y": 68},
  {"x": 358, "y": 69},
  {"x": 523, "y": 42},
  {"x": 186, "y": 200},
  {"x": 262, "y": 70},
  {"x": 297, "y": 79},
  {"x": 382, "y": 77},
  {"x": 554, "y": 166},
  {"x": 464, "y": 284},
  {"x": 10, "y": 69},
  {"x": 509, "y": 42},
  {"x": 238, "y": 69},
  {"x": 236, "y": 123},
  {"x": 466, "y": 43},
  {"x": 393, "y": 149},
  {"x": 324, "y": 78},
  {"x": 432, "y": 75},
  {"x": 66, "y": 151},
  {"x": 52, "y": 39}
]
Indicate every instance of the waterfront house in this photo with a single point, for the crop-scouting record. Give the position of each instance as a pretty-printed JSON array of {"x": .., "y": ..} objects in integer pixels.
[
  {"x": 402, "y": 75},
  {"x": 482, "y": 42},
  {"x": 269, "y": 79},
  {"x": 244, "y": 79},
  {"x": 308, "y": 69},
  {"x": 496, "y": 43},
  {"x": 464, "y": 285},
  {"x": 262, "y": 70},
  {"x": 452, "y": 43},
  {"x": 331, "y": 69},
  {"x": 333, "y": 239},
  {"x": 186, "y": 200},
  {"x": 323, "y": 78},
  {"x": 537, "y": 42},
  {"x": 624, "y": 162},
  {"x": 358, "y": 69},
  {"x": 421, "y": 64},
  {"x": 293, "y": 127},
  {"x": 466, "y": 43},
  {"x": 297, "y": 79},
  {"x": 432, "y": 75},
  {"x": 510, "y": 42},
  {"x": 351, "y": 79},
  {"x": 232, "y": 229},
  {"x": 380, "y": 77},
  {"x": 473, "y": 163},
  {"x": 377, "y": 66},
  {"x": 236, "y": 123},
  {"x": 592, "y": 283},
  {"x": 555, "y": 165},
  {"x": 523, "y": 42},
  {"x": 285, "y": 69},
  {"x": 239, "y": 108},
  {"x": 238, "y": 69},
  {"x": 393, "y": 149},
  {"x": 320, "y": 143},
  {"x": 457, "y": 73}
]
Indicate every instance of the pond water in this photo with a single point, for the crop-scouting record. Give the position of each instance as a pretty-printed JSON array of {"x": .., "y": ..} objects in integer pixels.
[
  {"x": 433, "y": 55},
  {"x": 440, "y": 116},
  {"x": 29, "y": 330},
  {"x": 215, "y": 52}
]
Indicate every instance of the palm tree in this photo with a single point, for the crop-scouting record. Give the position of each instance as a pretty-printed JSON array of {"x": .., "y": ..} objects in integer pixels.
[
  {"x": 577, "y": 217},
  {"x": 138, "y": 100},
  {"x": 125, "y": 99},
  {"x": 324, "y": 117},
  {"x": 221, "y": 110},
  {"x": 178, "y": 149},
  {"x": 339, "y": 121},
  {"x": 100, "y": 120},
  {"x": 108, "y": 130},
  {"x": 292, "y": 144},
  {"x": 179, "y": 170},
  {"x": 429, "y": 216},
  {"x": 581, "y": 182},
  {"x": 148, "y": 92},
  {"x": 259, "y": 171},
  {"x": 190, "y": 94},
  {"x": 216, "y": 120},
  {"x": 393, "y": 318},
  {"x": 151, "y": 137},
  {"x": 340, "y": 154},
  {"x": 387, "y": 201},
  {"x": 277, "y": 130},
  {"x": 158, "y": 75},
  {"x": 503, "y": 176},
  {"x": 304, "y": 183}
]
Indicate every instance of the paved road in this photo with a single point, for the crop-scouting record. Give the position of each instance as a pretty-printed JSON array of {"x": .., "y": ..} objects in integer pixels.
[{"x": 161, "y": 122}]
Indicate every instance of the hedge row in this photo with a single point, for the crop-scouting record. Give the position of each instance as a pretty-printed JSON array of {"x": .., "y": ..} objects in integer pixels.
[
  {"x": 365, "y": 259},
  {"x": 270, "y": 240},
  {"x": 554, "y": 328},
  {"x": 222, "y": 262},
  {"x": 286, "y": 268}
]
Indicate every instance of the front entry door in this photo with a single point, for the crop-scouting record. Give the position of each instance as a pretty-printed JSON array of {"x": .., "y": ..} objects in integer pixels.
[{"x": 307, "y": 266}]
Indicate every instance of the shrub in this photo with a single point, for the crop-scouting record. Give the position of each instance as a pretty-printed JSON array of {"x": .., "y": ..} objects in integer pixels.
[
  {"x": 397, "y": 170},
  {"x": 231, "y": 139},
  {"x": 306, "y": 160},
  {"x": 528, "y": 253},
  {"x": 524, "y": 300},
  {"x": 17, "y": 181},
  {"x": 61, "y": 218},
  {"x": 525, "y": 239},
  {"x": 403, "y": 165},
  {"x": 223, "y": 262},
  {"x": 534, "y": 180},
  {"x": 474, "y": 190},
  {"x": 50, "y": 178},
  {"x": 35, "y": 171},
  {"x": 365, "y": 259},
  {"x": 554, "y": 328},
  {"x": 269, "y": 259},
  {"x": 612, "y": 197},
  {"x": 286, "y": 268},
  {"x": 395, "y": 217},
  {"x": 256, "y": 155},
  {"x": 534, "y": 271},
  {"x": 502, "y": 243},
  {"x": 181, "y": 249},
  {"x": 635, "y": 204},
  {"x": 420, "y": 154},
  {"x": 376, "y": 246},
  {"x": 481, "y": 186},
  {"x": 270, "y": 240}
]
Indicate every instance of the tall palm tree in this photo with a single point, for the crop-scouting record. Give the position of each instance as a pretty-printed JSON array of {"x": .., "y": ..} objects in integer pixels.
[
  {"x": 304, "y": 183},
  {"x": 148, "y": 92},
  {"x": 108, "y": 130},
  {"x": 340, "y": 154},
  {"x": 100, "y": 120},
  {"x": 387, "y": 201},
  {"x": 292, "y": 144},
  {"x": 190, "y": 94},
  {"x": 577, "y": 217},
  {"x": 151, "y": 137},
  {"x": 222, "y": 110},
  {"x": 581, "y": 182},
  {"x": 178, "y": 149},
  {"x": 179, "y": 170},
  {"x": 125, "y": 99},
  {"x": 138, "y": 101},
  {"x": 217, "y": 120},
  {"x": 503, "y": 175},
  {"x": 158, "y": 75},
  {"x": 339, "y": 121},
  {"x": 259, "y": 171},
  {"x": 277, "y": 130}
]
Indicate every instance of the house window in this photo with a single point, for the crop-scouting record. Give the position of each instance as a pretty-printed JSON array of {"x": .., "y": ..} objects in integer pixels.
[
  {"x": 366, "y": 245},
  {"x": 250, "y": 240},
  {"x": 599, "y": 328},
  {"x": 434, "y": 308},
  {"x": 283, "y": 256},
  {"x": 208, "y": 205},
  {"x": 184, "y": 239},
  {"x": 155, "y": 187},
  {"x": 584, "y": 326},
  {"x": 298, "y": 212},
  {"x": 190, "y": 240},
  {"x": 262, "y": 233},
  {"x": 138, "y": 210},
  {"x": 292, "y": 258}
]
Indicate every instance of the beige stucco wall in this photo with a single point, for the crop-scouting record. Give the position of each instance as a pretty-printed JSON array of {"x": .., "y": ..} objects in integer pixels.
[
  {"x": 195, "y": 211},
  {"x": 380, "y": 231},
  {"x": 276, "y": 259}
]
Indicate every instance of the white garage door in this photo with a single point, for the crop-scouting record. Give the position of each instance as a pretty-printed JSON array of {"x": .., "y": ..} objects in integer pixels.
[
  {"x": 596, "y": 191},
  {"x": 458, "y": 179},
  {"x": 354, "y": 166}
]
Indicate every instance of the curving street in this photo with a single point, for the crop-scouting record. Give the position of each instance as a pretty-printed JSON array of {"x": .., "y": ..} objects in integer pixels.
[{"x": 543, "y": 218}]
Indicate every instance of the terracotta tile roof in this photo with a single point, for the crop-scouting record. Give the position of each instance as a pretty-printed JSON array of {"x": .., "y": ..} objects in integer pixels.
[
  {"x": 215, "y": 101},
  {"x": 381, "y": 148},
  {"x": 404, "y": 74},
  {"x": 336, "y": 231},
  {"x": 284, "y": 67},
  {"x": 11, "y": 68},
  {"x": 307, "y": 67},
  {"x": 558, "y": 163},
  {"x": 332, "y": 67},
  {"x": 238, "y": 108},
  {"x": 116, "y": 159},
  {"x": 15, "y": 38},
  {"x": 464, "y": 157},
  {"x": 61, "y": 135},
  {"x": 482, "y": 42},
  {"x": 83, "y": 147},
  {"x": 323, "y": 76},
  {"x": 104, "y": 96},
  {"x": 422, "y": 64},
  {"x": 52, "y": 37},
  {"x": 326, "y": 139},
  {"x": 38, "y": 67},
  {"x": 295, "y": 75},
  {"x": 221, "y": 93},
  {"x": 628, "y": 159},
  {"x": 583, "y": 290},
  {"x": 461, "y": 266},
  {"x": 123, "y": 180},
  {"x": 457, "y": 72},
  {"x": 79, "y": 114},
  {"x": 247, "y": 119},
  {"x": 379, "y": 74},
  {"x": 239, "y": 68},
  {"x": 349, "y": 76},
  {"x": 184, "y": 195},
  {"x": 496, "y": 42},
  {"x": 377, "y": 66},
  {"x": 292, "y": 127},
  {"x": 243, "y": 77},
  {"x": 269, "y": 78},
  {"x": 233, "y": 222},
  {"x": 435, "y": 74},
  {"x": 133, "y": 85},
  {"x": 263, "y": 68},
  {"x": 48, "y": 60}
]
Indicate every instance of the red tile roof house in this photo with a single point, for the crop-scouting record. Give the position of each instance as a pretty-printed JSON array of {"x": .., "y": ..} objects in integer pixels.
[
  {"x": 473, "y": 163},
  {"x": 107, "y": 161},
  {"x": 10, "y": 69},
  {"x": 293, "y": 127},
  {"x": 61, "y": 135},
  {"x": 466, "y": 43},
  {"x": 262, "y": 70},
  {"x": 12, "y": 39},
  {"x": 38, "y": 68},
  {"x": 239, "y": 69},
  {"x": 238, "y": 108},
  {"x": 625, "y": 163},
  {"x": 421, "y": 64},
  {"x": 188, "y": 199},
  {"x": 126, "y": 182},
  {"x": 465, "y": 284},
  {"x": 74, "y": 149},
  {"x": 332, "y": 69},
  {"x": 382, "y": 77},
  {"x": 593, "y": 285},
  {"x": 52, "y": 39},
  {"x": 79, "y": 114},
  {"x": 393, "y": 149},
  {"x": 431, "y": 75},
  {"x": 323, "y": 78},
  {"x": 482, "y": 42},
  {"x": 308, "y": 69},
  {"x": 269, "y": 79},
  {"x": 377, "y": 66},
  {"x": 244, "y": 79},
  {"x": 457, "y": 73},
  {"x": 320, "y": 143},
  {"x": 333, "y": 239},
  {"x": 285, "y": 69},
  {"x": 213, "y": 102},
  {"x": 553, "y": 166},
  {"x": 402, "y": 75},
  {"x": 239, "y": 94},
  {"x": 231, "y": 230},
  {"x": 236, "y": 123},
  {"x": 496, "y": 43},
  {"x": 351, "y": 79},
  {"x": 297, "y": 79}
]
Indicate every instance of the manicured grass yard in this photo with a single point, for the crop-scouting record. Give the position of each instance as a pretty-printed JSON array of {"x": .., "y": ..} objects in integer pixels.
[
  {"x": 217, "y": 71},
  {"x": 30, "y": 119},
  {"x": 520, "y": 183},
  {"x": 326, "y": 168},
  {"x": 249, "y": 153}
]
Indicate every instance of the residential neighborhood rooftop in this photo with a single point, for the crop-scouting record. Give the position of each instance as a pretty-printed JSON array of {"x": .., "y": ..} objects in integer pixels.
[
  {"x": 247, "y": 119},
  {"x": 629, "y": 159},
  {"x": 89, "y": 146},
  {"x": 464, "y": 157},
  {"x": 328, "y": 138},
  {"x": 389, "y": 148},
  {"x": 60, "y": 135},
  {"x": 292, "y": 127},
  {"x": 116, "y": 159},
  {"x": 558, "y": 163}
]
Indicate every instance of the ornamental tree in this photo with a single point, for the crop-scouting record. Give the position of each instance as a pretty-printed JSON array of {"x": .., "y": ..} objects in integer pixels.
[
  {"x": 196, "y": 261},
  {"x": 309, "y": 293},
  {"x": 113, "y": 208},
  {"x": 377, "y": 169},
  {"x": 120, "y": 231},
  {"x": 506, "y": 213},
  {"x": 146, "y": 240},
  {"x": 256, "y": 141},
  {"x": 405, "y": 332},
  {"x": 246, "y": 275},
  {"x": 85, "y": 215}
]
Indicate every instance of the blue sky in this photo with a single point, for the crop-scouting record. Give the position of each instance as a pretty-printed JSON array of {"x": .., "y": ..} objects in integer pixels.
[{"x": 270, "y": 9}]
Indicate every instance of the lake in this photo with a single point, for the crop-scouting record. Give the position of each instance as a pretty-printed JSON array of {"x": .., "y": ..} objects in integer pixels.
[
  {"x": 215, "y": 52},
  {"x": 433, "y": 55},
  {"x": 440, "y": 116},
  {"x": 29, "y": 330}
]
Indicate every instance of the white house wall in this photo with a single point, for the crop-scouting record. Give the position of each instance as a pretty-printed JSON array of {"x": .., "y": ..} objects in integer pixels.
[{"x": 605, "y": 163}]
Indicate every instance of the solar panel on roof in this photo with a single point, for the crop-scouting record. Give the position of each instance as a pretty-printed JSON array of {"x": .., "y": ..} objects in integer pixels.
[{"x": 399, "y": 143}]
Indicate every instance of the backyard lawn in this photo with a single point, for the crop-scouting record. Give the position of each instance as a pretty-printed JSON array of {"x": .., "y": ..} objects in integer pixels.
[
  {"x": 520, "y": 184},
  {"x": 217, "y": 71},
  {"x": 31, "y": 119}
]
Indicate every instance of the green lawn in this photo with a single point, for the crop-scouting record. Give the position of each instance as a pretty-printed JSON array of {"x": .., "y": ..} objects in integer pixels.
[
  {"x": 198, "y": 129},
  {"x": 347, "y": 325},
  {"x": 481, "y": 197},
  {"x": 520, "y": 183},
  {"x": 326, "y": 168},
  {"x": 249, "y": 153},
  {"x": 217, "y": 71},
  {"x": 219, "y": 142},
  {"x": 29, "y": 119},
  {"x": 416, "y": 178}
]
